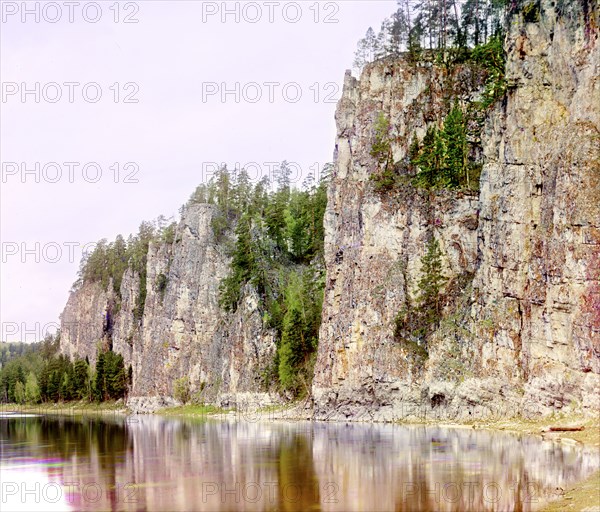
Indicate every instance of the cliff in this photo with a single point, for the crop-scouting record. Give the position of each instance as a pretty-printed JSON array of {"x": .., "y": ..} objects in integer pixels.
[
  {"x": 522, "y": 331},
  {"x": 183, "y": 331},
  {"x": 520, "y": 324}
]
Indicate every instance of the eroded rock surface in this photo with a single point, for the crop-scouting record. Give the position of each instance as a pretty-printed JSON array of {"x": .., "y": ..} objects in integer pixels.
[
  {"x": 524, "y": 334},
  {"x": 183, "y": 331}
]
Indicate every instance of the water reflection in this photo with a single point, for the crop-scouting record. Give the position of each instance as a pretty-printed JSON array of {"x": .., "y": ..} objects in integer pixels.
[{"x": 151, "y": 463}]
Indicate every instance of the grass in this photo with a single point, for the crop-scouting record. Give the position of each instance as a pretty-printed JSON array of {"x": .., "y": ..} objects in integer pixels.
[
  {"x": 268, "y": 413},
  {"x": 583, "y": 496},
  {"x": 192, "y": 410}
]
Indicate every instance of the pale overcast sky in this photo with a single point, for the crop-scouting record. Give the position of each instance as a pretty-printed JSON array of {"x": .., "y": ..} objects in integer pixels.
[{"x": 161, "y": 111}]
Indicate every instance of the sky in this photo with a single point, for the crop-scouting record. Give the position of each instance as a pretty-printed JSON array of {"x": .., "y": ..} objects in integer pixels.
[{"x": 113, "y": 112}]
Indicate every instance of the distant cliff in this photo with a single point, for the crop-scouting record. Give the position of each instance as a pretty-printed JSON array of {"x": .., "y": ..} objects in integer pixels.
[{"x": 183, "y": 332}]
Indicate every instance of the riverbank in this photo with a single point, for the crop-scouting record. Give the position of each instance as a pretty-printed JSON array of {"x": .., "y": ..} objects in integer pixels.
[
  {"x": 82, "y": 407},
  {"x": 583, "y": 496}
]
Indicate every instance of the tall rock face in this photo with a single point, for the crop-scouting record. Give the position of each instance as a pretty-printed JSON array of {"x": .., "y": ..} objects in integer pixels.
[
  {"x": 183, "y": 332},
  {"x": 538, "y": 282},
  {"x": 521, "y": 332}
]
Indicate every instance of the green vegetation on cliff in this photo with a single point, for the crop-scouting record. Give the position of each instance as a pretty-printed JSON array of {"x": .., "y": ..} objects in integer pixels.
[
  {"x": 274, "y": 233},
  {"x": 443, "y": 159},
  {"x": 108, "y": 262},
  {"x": 442, "y": 30},
  {"x": 422, "y": 316},
  {"x": 453, "y": 35}
]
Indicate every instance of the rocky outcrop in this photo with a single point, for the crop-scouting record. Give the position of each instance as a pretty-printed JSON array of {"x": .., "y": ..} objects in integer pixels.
[
  {"x": 538, "y": 280},
  {"x": 183, "y": 331},
  {"x": 522, "y": 333},
  {"x": 521, "y": 327}
]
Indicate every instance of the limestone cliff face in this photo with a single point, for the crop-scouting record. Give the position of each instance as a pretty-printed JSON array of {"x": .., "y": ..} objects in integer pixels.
[
  {"x": 538, "y": 280},
  {"x": 521, "y": 327},
  {"x": 183, "y": 331},
  {"x": 523, "y": 330}
]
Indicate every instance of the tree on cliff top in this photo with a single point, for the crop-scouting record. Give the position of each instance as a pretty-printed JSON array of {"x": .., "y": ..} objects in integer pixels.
[{"x": 437, "y": 25}]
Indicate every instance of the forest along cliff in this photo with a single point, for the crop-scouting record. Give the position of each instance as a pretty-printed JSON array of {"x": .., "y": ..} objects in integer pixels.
[
  {"x": 518, "y": 327},
  {"x": 461, "y": 250},
  {"x": 221, "y": 307}
]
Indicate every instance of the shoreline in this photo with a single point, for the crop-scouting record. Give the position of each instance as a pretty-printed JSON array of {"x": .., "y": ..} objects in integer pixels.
[{"x": 589, "y": 435}]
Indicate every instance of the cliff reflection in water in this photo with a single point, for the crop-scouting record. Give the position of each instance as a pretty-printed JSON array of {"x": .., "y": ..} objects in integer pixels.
[{"x": 151, "y": 463}]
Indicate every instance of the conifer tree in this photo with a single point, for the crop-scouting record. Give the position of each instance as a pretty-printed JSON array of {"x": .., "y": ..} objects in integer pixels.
[
  {"x": 80, "y": 379},
  {"x": 116, "y": 376},
  {"x": 454, "y": 136},
  {"x": 428, "y": 161},
  {"x": 368, "y": 48},
  {"x": 292, "y": 348},
  {"x": 243, "y": 265},
  {"x": 430, "y": 284}
]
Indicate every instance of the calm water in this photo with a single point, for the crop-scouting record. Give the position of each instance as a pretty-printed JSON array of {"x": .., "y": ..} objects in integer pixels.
[{"x": 152, "y": 463}]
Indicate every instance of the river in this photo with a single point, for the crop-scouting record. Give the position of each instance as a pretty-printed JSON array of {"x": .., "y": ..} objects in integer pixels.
[{"x": 154, "y": 463}]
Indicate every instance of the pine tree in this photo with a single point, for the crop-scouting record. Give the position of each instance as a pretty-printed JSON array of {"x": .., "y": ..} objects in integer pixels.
[
  {"x": 118, "y": 262},
  {"x": 383, "y": 46},
  {"x": 243, "y": 265},
  {"x": 471, "y": 21},
  {"x": 414, "y": 149},
  {"x": 116, "y": 376},
  {"x": 399, "y": 30},
  {"x": 260, "y": 197},
  {"x": 80, "y": 379},
  {"x": 297, "y": 221},
  {"x": 415, "y": 35},
  {"x": 381, "y": 149},
  {"x": 275, "y": 217},
  {"x": 200, "y": 195},
  {"x": 455, "y": 26},
  {"x": 429, "y": 159},
  {"x": 242, "y": 192},
  {"x": 292, "y": 349},
  {"x": 430, "y": 284},
  {"x": 367, "y": 50},
  {"x": 223, "y": 185},
  {"x": 138, "y": 253},
  {"x": 456, "y": 151},
  {"x": 54, "y": 382}
]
